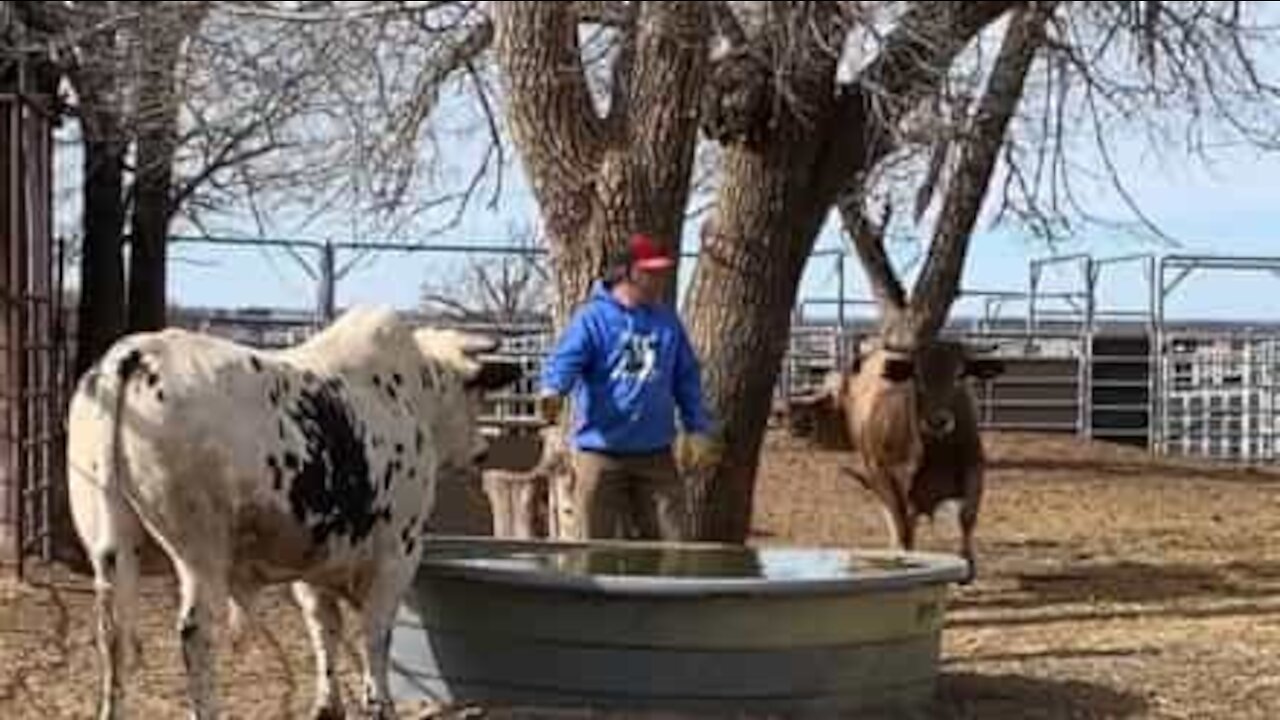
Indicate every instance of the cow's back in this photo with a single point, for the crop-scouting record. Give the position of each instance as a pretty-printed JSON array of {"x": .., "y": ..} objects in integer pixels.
[{"x": 298, "y": 468}]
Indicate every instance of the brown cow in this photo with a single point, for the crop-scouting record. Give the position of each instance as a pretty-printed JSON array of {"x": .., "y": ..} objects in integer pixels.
[{"x": 912, "y": 422}]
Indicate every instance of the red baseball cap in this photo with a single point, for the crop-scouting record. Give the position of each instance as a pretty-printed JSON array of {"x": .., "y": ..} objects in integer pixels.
[{"x": 644, "y": 254}]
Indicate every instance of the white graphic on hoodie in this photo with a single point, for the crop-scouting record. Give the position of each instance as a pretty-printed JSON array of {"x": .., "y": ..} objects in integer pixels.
[{"x": 638, "y": 359}]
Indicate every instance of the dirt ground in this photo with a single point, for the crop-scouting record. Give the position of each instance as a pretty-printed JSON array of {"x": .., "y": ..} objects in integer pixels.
[{"x": 1111, "y": 586}]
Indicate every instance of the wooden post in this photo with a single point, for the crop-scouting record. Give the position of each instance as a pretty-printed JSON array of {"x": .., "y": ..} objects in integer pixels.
[
  {"x": 518, "y": 503},
  {"x": 531, "y": 503}
]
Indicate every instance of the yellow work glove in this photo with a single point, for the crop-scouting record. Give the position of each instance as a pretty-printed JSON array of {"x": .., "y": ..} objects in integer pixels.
[
  {"x": 704, "y": 450},
  {"x": 549, "y": 407}
]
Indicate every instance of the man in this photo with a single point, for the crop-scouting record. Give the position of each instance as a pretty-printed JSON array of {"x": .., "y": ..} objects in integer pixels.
[{"x": 627, "y": 361}]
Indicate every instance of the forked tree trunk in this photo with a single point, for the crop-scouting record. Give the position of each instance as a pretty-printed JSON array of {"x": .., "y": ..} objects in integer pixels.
[
  {"x": 600, "y": 177},
  {"x": 779, "y": 184}
]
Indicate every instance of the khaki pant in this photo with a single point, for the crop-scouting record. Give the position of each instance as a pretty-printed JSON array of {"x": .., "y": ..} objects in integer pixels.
[{"x": 628, "y": 496}]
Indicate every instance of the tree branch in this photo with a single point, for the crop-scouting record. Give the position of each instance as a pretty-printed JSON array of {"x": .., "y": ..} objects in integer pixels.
[
  {"x": 549, "y": 106},
  {"x": 868, "y": 242},
  {"x": 939, "y": 281},
  {"x": 374, "y": 10},
  {"x": 911, "y": 66},
  {"x": 669, "y": 66}
]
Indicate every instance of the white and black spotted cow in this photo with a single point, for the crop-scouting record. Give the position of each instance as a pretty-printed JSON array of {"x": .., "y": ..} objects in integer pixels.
[{"x": 314, "y": 465}]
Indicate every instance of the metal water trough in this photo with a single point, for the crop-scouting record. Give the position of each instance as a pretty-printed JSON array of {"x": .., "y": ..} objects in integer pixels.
[{"x": 672, "y": 628}]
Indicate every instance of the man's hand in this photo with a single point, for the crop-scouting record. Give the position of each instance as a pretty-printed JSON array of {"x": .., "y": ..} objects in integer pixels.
[
  {"x": 549, "y": 406},
  {"x": 704, "y": 450}
]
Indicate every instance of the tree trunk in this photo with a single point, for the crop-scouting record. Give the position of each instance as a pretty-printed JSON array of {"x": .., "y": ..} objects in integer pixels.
[
  {"x": 101, "y": 316},
  {"x": 753, "y": 254},
  {"x": 98, "y": 82},
  {"x": 164, "y": 31},
  {"x": 147, "y": 256}
]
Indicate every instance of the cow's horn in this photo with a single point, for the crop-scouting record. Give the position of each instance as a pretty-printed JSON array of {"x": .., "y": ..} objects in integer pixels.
[{"x": 477, "y": 344}]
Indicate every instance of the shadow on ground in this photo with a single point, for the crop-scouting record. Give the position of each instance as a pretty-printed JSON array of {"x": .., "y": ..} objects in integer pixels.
[
  {"x": 964, "y": 695},
  {"x": 1133, "y": 582},
  {"x": 1107, "y": 470}
]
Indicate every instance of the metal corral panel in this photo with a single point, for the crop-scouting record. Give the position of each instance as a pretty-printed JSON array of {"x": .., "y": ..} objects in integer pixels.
[{"x": 1033, "y": 394}]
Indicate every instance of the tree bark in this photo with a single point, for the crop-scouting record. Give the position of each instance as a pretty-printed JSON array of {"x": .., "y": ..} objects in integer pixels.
[
  {"x": 739, "y": 321},
  {"x": 600, "y": 176},
  {"x": 98, "y": 84},
  {"x": 939, "y": 281},
  {"x": 101, "y": 315},
  {"x": 165, "y": 28}
]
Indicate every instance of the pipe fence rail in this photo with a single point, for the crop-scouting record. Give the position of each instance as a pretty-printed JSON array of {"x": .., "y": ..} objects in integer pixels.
[{"x": 1074, "y": 366}]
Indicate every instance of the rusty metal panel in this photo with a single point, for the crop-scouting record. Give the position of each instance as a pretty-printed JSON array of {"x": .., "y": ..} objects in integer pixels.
[
  {"x": 33, "y": 375},
  {"x": 9, "y": 240}
]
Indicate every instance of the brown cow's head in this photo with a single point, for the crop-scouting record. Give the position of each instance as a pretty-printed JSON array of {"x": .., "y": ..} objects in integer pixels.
[{"x": 937, "y": 371}]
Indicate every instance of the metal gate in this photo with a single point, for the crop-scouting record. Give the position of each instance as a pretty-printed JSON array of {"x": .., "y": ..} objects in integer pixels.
[
  {"x": 1222, "y": 396},
  {"x": 33, "y": 367}
]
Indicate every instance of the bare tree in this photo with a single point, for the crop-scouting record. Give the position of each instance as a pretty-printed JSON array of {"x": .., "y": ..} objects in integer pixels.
[
  {"x": 819, "y": 105},
  {"x": 188, "y": 109},
  {"x": 510, "y": 289}
]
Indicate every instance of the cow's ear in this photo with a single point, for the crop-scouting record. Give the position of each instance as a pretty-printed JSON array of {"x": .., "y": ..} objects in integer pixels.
[
  {"x": 495, "y": 374},
  {"x": 985, "y": 368}
]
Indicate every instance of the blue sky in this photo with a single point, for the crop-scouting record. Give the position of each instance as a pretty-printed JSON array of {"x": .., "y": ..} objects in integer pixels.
[
  {"x": 1233, "y": 208},
  {"x": 1235, "y": 211}
]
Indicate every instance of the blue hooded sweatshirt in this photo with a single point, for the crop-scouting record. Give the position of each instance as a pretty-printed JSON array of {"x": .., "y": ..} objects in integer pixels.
[{"x": 628, "y": 371}]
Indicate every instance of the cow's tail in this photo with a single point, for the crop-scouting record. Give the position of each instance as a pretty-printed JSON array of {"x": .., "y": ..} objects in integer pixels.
[{"x": 118, "y": 559}]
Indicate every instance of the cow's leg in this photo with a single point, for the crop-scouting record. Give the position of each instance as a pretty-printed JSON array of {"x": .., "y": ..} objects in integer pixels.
[
  {"x": 904, "y": 510},
  {"x": 194, "y": 627},
  {"x": 116, "y": 595},
  {"x": 106, "y": 572},
  {"x": 324, "y": 624},
  {"x": 127, "y": 571},
  {"x": 969, "y": 518},
  {"x": 378, "y": 613}
]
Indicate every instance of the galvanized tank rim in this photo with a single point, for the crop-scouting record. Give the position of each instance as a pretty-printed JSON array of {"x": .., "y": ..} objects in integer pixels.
[{"x": 932, "y": 569}]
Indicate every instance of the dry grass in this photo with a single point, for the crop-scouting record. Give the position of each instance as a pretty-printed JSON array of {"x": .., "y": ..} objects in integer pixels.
[{"x": 1111, "y": 586}]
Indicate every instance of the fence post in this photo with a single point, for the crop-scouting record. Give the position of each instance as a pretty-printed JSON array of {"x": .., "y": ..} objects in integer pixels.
[
  {"x": 1091, "y": 270},
  {"x": 840, "y": 322},
  {"x": 326, "y": 284}
]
